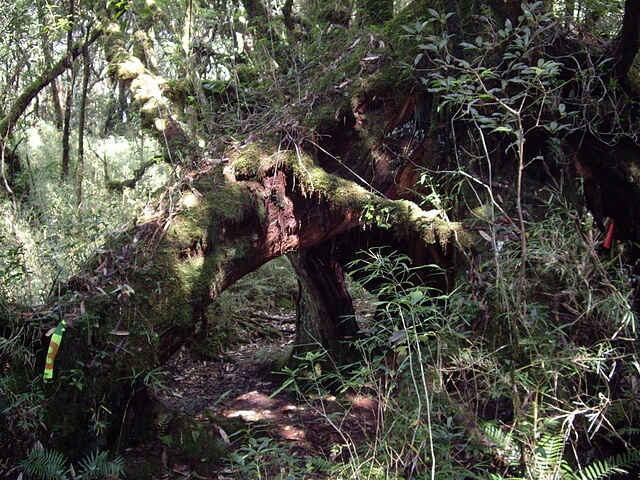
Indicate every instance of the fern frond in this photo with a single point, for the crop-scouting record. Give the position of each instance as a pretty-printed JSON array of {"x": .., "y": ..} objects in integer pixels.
[
  {"x": 45, "y": 464},
  {"x": 321, "y": 464},
  {"x": 503, "y": 441},
  {"x": 608, "y": 466},
  {"x": 548, "y": 455},
  {"x": 627, "y": 431},
  {"x": 96, "y": 466}
]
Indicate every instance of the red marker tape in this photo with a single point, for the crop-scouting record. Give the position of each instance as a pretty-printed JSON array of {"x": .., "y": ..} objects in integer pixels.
[{"x": 609, "y": 238}]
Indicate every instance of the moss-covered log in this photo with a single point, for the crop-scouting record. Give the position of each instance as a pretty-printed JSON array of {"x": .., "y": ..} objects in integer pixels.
[
  {"x": 148, "y": 291},
  {"x": 346, "y": 172}
]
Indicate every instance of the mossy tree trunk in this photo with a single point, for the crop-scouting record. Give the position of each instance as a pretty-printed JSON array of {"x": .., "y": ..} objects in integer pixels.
[
  {"x": 377, "y": 12},
  {"x": 148, "y": 291}
]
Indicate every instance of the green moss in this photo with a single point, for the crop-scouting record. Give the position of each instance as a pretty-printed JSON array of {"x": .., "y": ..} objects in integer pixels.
[
  {"x": 391, "y": 78},
  {"x": 251, "y": 163},
  {"x": 211, "y": 204},
  {"x": 326, "y": 119},
  {"x": 310, "y": 178},
  {"x": 191, "y": 257},
  {"x": 229, "y": 204},
  {"x": 342, "y": 194},
  {"x": 196, "y": 443},
  {"x": 129, "y": 68}
]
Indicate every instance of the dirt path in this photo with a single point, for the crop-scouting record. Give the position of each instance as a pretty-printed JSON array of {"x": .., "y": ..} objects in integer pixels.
[{"x": 238, "y": 388}]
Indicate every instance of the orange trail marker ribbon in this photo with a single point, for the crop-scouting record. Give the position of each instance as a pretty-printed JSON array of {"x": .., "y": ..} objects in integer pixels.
[{"x": 54, "y": 345}]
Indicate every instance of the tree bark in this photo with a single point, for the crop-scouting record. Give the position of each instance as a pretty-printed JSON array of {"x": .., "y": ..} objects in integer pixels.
[
  {"x": 628, "y": 41},
  {"x": 82, "y": 114},
  {"x": 148, "y": 90},
  {"x": 66, "y": 128},
  {"x": 325, "y": 314}
]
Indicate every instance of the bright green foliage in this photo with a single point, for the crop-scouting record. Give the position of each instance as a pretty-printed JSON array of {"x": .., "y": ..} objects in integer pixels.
[
  {"x": 18, "y": 37},
  {"x": 97, "y": 466},
  {"x": 264, "y": 458},
  {"x": 548, "y": 462},
  {"x": 435, "y": 364},
  {"x": 43, "y": 464},
  {"x": 49, "y": 238},
  {"x": 602, "y": 469},
  {"x": 540, "y": 328}
]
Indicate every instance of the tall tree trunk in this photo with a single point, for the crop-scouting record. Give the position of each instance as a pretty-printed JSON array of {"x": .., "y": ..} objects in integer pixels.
[
  {"x": 6, "y": 187},
  {"x": 10, "y": 167},
  {"x": 58, "y": 114},
  {"x": 66, "y": 132},
  {"x": 81, "y": 122},
  {"x": 188, "y": 29},
  {"x": 628, "y": 41}
]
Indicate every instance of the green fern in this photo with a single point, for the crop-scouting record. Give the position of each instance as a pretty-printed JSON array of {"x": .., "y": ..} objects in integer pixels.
[
  {"x": 548, "y": 456},
  {"x": 96, "y": 466},
  {"x": 602, "y": 469},
  {"x": 628, "y": 431},
  {"x": 45, "y": 464},
  {"x": 503, "y": 441},
  {"x": 321, "y": 464}
]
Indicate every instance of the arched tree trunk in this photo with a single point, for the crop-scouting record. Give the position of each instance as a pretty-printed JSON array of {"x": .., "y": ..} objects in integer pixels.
[
  {"x": 150, "y": 289},
  {"x": 357, "y": 166}
]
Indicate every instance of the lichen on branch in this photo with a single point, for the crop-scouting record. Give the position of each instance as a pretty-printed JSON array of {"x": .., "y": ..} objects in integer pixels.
[{"x": 148, "y": 91}]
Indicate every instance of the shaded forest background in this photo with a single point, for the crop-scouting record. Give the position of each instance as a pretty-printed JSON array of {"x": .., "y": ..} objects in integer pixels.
[{"x": 468, "y": 170}]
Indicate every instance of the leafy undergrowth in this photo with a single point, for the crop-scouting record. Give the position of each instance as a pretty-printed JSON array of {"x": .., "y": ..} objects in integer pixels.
[
  {"x": 225, "y": 417},
  {"x": 443, "y": 391}
]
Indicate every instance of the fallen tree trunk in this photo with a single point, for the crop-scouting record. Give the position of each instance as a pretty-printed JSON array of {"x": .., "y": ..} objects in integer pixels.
[
  {"x": 148, "y": 291},
  {"x": 352, "y": 183}
]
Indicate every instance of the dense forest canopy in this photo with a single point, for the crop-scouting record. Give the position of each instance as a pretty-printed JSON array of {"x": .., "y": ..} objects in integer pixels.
[{"x": 474, "y": 166}]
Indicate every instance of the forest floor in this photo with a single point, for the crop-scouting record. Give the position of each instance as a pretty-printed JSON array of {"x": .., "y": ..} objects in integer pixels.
[{"x": 233, "y": 400}]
